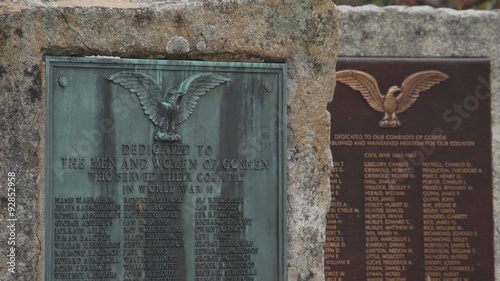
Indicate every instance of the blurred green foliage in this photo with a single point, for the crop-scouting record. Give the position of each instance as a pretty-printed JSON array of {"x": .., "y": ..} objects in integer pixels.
[{"x": 454, "y": 4}]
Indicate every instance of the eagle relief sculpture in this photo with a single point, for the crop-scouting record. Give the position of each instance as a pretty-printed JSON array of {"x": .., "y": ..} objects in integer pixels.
[
  {"x": 397, "y": 100},
  {"x": 172, "y": 108}
]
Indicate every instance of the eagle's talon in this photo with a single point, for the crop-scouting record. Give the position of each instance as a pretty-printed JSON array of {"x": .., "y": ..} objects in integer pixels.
[
  {"x": 160, "y": 136},
  {"x": 395, "y": 124},
  {"x": 174, "y": 137},
  {"x": 383, "y": 123}
]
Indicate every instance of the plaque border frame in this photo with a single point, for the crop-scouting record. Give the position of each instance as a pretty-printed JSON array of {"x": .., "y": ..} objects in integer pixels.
[{"x": 158, "y": 64}]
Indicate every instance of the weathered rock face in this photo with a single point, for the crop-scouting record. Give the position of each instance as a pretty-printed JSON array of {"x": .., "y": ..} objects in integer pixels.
[
  {"x": 427, "y": 32},
  {"x": 301, "y": 33}
]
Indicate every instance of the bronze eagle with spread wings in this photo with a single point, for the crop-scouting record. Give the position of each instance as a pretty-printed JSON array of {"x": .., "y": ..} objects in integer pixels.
[
  {"x": 397, "y": 99},
  {"x": 172, "y": 108}
]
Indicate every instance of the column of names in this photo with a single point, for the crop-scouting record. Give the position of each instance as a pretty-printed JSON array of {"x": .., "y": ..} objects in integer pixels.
[{"x": 387, "y": 227}]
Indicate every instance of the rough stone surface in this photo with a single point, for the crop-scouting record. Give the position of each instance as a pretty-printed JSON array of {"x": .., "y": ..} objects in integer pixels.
[
  {"x": 428, "y": 32},
  {"x": 177, "y": 45},
  {"x": 301, "y": 33}
]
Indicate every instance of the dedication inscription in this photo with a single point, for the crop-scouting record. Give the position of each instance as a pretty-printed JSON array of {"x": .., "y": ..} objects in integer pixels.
[
  {"x": 411, "y": 193},
  {"x": 165, "y": 170}
]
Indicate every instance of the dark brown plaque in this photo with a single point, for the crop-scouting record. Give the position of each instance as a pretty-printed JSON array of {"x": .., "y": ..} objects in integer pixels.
[{"x": 412, "y": 178}]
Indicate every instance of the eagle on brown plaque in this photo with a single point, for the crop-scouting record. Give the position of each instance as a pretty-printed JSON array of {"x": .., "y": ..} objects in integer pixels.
[
  {"x": 174, "y": 106},
  {"x": 397, "y": 100}
]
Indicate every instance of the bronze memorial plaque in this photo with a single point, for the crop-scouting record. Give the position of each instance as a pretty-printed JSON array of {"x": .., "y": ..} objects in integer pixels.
[
  {"x": 165, "y": 170},
  {"x": 412, "y": 178}
]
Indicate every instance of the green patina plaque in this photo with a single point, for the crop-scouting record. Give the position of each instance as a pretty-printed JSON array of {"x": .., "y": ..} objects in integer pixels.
[{"x": 165, "y": 170}]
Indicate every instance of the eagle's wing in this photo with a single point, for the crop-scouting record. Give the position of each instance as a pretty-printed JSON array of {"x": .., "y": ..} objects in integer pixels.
[
  {"x": 415, "y": 84},
  {"x": 364, "y": 83},
  {"x": 195, "y": 86},
  {"x": 148, "y": 91}
]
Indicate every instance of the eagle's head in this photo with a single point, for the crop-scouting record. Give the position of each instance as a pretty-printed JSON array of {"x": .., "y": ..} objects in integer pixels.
[
  {"x": 175, "y": 96},
  {"x": 393, "y": 90}
]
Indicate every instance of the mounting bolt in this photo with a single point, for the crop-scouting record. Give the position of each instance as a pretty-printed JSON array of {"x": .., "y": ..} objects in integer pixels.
[
  {"x": 268, "y": 86},
  {"x": 63, "y": 81}
]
